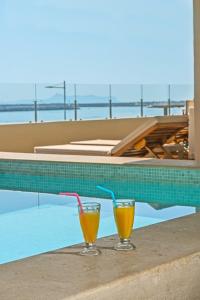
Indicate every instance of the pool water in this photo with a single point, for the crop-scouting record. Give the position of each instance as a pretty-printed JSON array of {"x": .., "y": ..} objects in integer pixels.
[{"x": 33, "y": 223}]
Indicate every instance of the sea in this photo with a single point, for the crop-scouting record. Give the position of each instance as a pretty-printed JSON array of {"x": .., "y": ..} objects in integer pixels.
[{"x": 83, "y": 113}]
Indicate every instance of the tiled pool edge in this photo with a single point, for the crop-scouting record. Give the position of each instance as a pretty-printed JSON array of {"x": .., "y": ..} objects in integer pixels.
[
  {"x": 53, "y": 176},
  {"x": 166, "y": 265}
]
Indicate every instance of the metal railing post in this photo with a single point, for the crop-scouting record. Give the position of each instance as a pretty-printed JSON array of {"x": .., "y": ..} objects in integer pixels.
[
  {"x": 110, "y": 101},
  {"x": 141, "y": 100},
  {"x": 65, "y": 104},
  {"x": 35, "y": 105},
  {"x": 169, "y": 99},
  {"x": 75, "y": 104}
]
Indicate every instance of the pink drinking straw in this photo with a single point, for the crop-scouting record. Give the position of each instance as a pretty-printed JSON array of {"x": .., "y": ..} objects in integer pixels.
[{"x": 77, "y": 197}]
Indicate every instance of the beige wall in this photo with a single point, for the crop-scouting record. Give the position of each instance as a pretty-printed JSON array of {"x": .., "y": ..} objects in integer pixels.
[
  {"x": 23, "y": 137},
  {"x": 191, "y": 134}
]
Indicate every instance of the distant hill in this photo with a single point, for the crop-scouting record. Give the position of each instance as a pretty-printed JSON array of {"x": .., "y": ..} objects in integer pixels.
[
  {"x": 58, "y": 98},
  {"x": 80, "y": 99}
]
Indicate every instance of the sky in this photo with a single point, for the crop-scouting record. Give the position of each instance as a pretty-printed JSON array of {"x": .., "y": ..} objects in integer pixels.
[{"x": 96, "y": 41}]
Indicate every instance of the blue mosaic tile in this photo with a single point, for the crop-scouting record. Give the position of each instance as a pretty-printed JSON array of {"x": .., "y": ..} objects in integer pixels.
[{"x": 144, "y": 183}]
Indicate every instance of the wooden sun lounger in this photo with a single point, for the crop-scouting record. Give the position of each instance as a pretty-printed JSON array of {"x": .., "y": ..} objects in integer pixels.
[
  {"x": 102, "y": 150},
  {"x": 146, "y": 140},
  {"x": 174, "y": 150}
]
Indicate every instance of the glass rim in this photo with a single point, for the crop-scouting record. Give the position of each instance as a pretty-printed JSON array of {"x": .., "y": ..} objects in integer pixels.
[
  {"x": 92, "y": 204},
  {"x": 125, "y": 201}
]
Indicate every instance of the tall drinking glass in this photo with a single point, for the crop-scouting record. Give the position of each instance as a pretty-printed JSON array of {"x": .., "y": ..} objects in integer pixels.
[
  {"x": 124, "y": 212},
  {"x": 89, "y": 220}
]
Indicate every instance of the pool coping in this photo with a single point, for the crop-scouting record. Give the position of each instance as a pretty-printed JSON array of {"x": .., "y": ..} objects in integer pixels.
[
  {"x": 166, "y": 262},
  {"x": 128, "y": 161}
]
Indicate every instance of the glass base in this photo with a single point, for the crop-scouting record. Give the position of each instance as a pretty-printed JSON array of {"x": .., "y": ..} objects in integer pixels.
[
  {"x": 124, "y": 245},
  {"x": 90, "y": 250}
]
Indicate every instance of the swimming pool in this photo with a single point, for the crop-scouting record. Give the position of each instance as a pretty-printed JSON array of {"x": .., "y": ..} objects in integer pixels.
[
  {"x": 33, "y": 223},
  {"x": 34, "y": 219}
]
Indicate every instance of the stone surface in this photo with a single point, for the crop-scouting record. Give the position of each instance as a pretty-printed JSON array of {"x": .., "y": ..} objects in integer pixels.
[
  {"x": 165, "y": 265},
  {"x": 100, "y": 160}
]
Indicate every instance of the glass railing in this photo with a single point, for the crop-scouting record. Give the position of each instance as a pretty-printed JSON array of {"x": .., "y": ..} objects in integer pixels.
[
  {"x": 42, "y": 102},
  {"x": 126, "y": 100},
  {"x": 93, "y": 101}
]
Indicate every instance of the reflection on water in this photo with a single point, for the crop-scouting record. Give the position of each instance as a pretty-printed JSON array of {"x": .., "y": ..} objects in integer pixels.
[
  {"x": 32, "y": 223},
  {"x": 11, "y": 201}
]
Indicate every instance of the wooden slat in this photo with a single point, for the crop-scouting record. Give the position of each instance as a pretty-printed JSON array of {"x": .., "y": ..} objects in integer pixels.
[
  {"x": 161, "y": 135},
  {"x": 173, "y": 125},
  {"x": 140, "y": 133},
  {"x": 127, "y": 146}
]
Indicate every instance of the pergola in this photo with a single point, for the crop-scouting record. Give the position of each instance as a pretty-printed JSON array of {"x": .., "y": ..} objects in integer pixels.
[{"x": 196, "y": 9}]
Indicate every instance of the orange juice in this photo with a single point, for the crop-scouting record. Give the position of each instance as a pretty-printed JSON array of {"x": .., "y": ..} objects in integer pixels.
[
  {"x": 89, "y": 223},
  {"x": 124, "y": 218}
]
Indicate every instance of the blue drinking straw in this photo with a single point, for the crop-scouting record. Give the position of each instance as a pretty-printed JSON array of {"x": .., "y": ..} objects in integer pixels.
[{"x": 110, "y": 192}]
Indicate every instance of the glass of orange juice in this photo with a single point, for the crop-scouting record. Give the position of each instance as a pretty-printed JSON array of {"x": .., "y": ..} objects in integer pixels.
[
  {"x": 89, "y": 218},
  {"x": 124, "y": 211}
]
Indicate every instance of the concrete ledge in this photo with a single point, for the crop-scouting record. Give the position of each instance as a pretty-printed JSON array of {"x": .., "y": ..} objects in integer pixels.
[
  {"x": 169, "y": 281},
  {"x": 99, "y": 160},
  {"x": 166, "y": 265}
]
